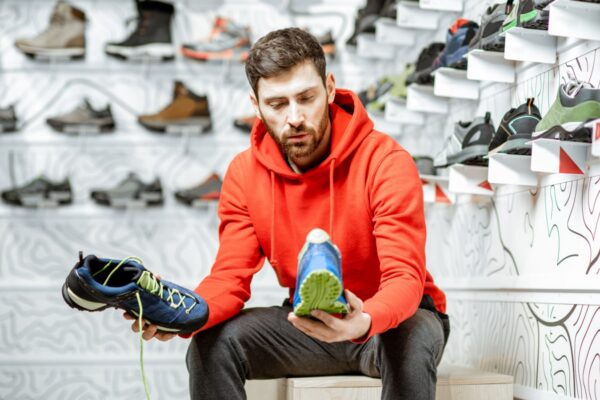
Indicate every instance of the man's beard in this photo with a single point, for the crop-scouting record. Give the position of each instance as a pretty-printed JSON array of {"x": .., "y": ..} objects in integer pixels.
[{"x": 299, "y": 150}]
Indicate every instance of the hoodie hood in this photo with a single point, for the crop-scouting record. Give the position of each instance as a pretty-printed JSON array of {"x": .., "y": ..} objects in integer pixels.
[{"x": 350, "y": 125}]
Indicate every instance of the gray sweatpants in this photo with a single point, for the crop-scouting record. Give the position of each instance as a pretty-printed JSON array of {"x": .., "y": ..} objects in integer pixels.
[{"x": 259, "y": 343}]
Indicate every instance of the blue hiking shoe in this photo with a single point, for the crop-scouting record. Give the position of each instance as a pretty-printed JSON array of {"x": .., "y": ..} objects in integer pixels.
[
  {"x": 319, "y": 282},
  {"x": 95, "y": 284},
  {"x": 458, "y": 37}
]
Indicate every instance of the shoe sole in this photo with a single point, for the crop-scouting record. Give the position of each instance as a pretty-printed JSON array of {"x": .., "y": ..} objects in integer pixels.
[
  {"x": 493, "y": 42},
  {"x": 54, "y": 199},
  {"x": 538, "y": 21},
  {"x": 42, "y": 52},
  {"x": 223, "y": 55},
  {"x": 472, "y": 155},
  {"x": 78, "y": 129},
  {"x": 8, "y": 128},
  {"x": 131, "y": 203},
  {"x": 158, "y": 51},
  {"x": 320, "y": 291},
  {"x": 194, "y": 125}
]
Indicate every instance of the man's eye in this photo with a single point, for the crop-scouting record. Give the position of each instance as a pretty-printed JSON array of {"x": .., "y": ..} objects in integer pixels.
[
  {"x": 276, "y": 105},
  {"x": 306, "y": 98}
]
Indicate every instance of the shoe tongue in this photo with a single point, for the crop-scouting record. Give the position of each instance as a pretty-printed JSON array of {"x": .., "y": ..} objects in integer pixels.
[
  {"x": 179, "y": 89},
  {"x": 137, "y": 272}
]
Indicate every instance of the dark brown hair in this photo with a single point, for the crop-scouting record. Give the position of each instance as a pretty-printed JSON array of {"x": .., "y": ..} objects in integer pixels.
[{"x": 281, "y": 50}]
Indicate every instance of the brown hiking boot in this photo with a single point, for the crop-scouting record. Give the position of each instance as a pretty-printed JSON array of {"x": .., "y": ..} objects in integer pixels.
[
  {"x": 187, "y": 113},
  {"x": 64, "y": 37}
]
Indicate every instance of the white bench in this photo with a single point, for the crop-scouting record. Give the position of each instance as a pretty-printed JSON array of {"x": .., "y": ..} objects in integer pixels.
[{"x": 454, "y": 383}]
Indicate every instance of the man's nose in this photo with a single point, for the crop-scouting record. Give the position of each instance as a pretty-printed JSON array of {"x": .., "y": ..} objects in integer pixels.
[{"x": 295, "y": 115}]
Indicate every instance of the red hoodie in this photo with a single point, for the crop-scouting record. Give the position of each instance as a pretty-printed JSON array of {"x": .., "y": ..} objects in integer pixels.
[{"x": 366, "y": 194}]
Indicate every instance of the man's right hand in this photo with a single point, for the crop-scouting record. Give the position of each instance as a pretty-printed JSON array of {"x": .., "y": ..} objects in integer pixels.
[{"x": 150, "y": 331}]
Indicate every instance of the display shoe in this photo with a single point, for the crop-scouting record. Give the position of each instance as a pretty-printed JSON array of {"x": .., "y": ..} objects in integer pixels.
[
  {"x": 458, "y": 38},
  {"x": 319, "y": 282},
  {"x": 513, "y": 135},
  {"x": 84, "y": 119},
  {"x": 208, "y": 190},
  {"x": 526, "y": 14},
  {"x": 187, "y": 113},
  {"x": 423, "y": 66},
  {"x": 8, "y": 119},
  {"x": 227, "y": 41},
  {"x": 397, "y": 90},
  {"x": 488, "y": 36},
  {"x": 468, "y": 144},
  {"x": 131, "y": 192},
  {"x": 327, "y": 43},
  {"x": 64, "y": 37},
  {"x": 245, "y": 123},
  {"x": 151, "y": 38},
  {"x": 40, "y": 192},
  {"x": 576, "y": 102},
  {"x": 365, "y": 20},
  {"x": 95, "y": 284}
]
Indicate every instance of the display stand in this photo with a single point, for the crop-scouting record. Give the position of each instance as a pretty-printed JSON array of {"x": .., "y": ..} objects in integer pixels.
[
  {"x": 410, "y": 15},
  {"x": 443, "y": 5},
  {"x": 559, "y": 157},
  {"x": 388, "y": 32},
  {"x": 367, "y": 46},
  {"x": 421, "y": 98},
  {"x": 596, "y": 138},
  {"x": 490, "y": 66},
  {"x": 530, "y": 45},
  {"x": 435, "y": 190},
  {"x": 396, "y": 112},
  {"x": 574, "y": 19},
  {"x": 450, "y": 82},
  {"x": 511, "y": 169},
  {"x": 383, "y": 125},
  {"x": 470, "y": 179}
]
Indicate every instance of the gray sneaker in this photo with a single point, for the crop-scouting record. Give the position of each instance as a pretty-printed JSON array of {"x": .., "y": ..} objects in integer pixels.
[
  {"x": 8, "y": 119},
  {"x": 63, "y": 38},
  {"x": 468, "y": 144},
  {"x": 131, "y": 192},
  {"x": 228, "y": 41},
  {"x": 84, "y": 119}
]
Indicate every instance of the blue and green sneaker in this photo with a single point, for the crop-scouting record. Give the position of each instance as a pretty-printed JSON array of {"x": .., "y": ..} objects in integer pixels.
[{"x": 319, "y": 283}]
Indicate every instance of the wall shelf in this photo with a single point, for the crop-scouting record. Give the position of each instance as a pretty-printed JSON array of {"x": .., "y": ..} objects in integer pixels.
[
  {"x": 559, "y": 157},
  {"x": 410, "y": 15},
  {"x": 469, "y": 179},
  {"x": 383, "y": 125},
  {"x": 388, "y": 32},
  {"x": 450, "y": 82},
  {"x": 397, "y": 112},
  {"x": 575, "y": 19},
  {"x": 596, "y": 138},
  {"x": 511, "y": 169},
  {"x": 530, "y": 45},
  {"x": 435, "y": 190},
  {"x": 421, "y": 98},
  {"x": 490, "y": 66},
  {"x": 367, "y": 46},
  {"x": 443, "y": 5}
]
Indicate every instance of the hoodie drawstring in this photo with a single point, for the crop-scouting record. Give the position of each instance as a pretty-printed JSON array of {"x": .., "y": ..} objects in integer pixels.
[
  {"x": 331, "y": 198},
  {"x": 272, "y": 257}
]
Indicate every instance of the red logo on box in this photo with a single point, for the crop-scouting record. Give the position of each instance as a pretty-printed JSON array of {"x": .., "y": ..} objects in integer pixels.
[{"x": 597, "y": 131}]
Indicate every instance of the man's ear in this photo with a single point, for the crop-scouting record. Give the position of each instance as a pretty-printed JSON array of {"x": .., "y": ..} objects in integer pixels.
[
  {"x": 330, "y": 87},
  {"x": 254, "y": 102}
]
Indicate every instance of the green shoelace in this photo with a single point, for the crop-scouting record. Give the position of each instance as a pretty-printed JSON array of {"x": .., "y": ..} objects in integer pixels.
[{"x": 154, "y": 286}]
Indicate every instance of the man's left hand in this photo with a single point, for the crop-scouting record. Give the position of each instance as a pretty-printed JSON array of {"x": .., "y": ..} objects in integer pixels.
[{"x": 328, "y": 328}]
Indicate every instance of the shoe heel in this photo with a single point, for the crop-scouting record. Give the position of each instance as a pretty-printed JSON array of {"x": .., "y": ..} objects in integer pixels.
[{"x": 78, "y": 302}]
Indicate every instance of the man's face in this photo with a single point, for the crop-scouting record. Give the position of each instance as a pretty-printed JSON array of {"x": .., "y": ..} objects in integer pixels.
[{"x": 294, "y": 108}]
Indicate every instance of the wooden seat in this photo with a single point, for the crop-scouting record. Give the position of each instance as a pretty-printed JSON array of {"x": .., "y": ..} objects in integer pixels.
[{"x": 454, "y": 383}]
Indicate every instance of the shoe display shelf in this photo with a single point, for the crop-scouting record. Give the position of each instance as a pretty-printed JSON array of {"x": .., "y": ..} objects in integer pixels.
[
  {"x": 410, "y": 15},
  {"x": 559, "y": 157},
  {"x": 575, "y": 19},
  {"x": 421, "y": 98},
  {"x": 397, "y": 112},
  {"x": 469, "y": 179},
  {"x": 530, "y": 45},
  {"x": 511, "y": 169},
  {"x": 490, "y": 66},
  {"x": 443, "y": 5},
  {"x": 367, "y": 46},
  {"x": 451, "y": 82},
  {"x": 596, "y": 139},
  {"x": 388, "y": 32},
  {"x": 435, "y": 190},
  {"x": 382, "y": 124}
]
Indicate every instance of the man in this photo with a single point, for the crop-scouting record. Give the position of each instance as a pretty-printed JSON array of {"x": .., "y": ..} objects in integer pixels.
[{"x": 315, "y": 161}]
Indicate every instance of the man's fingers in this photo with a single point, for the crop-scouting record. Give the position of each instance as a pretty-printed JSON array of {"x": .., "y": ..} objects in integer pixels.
[
  {"x": 128, "y": 316},
  {"x": 164, "y": 336},
  {"x": 149, "y": 332},
  {"x": 327, "y": 319},
  {"x": 356, "y": 304},
  {"x": 315, "y": 329}
]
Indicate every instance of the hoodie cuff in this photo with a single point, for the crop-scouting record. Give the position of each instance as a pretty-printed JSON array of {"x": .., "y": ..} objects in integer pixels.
[{"x": 380, "y": 314}]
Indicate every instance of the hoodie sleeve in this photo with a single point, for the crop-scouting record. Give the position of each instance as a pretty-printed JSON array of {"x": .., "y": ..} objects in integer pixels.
[
  {"x": 395, "y": 196},
  {"x": 239, "y": 257}
]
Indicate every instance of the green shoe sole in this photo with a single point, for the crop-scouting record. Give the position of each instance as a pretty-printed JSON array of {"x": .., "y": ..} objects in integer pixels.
[{"x": 320, "y": 291}]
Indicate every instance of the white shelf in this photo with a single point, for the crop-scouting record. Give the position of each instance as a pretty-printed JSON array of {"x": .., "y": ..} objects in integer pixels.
[
  {"x": 490, "y": 66},
  {"x": 596, "y": 138},
  {"x": 410, "y": 15},
  {"x": 421, "y": 98},
  {"x": 574, "y": 19},
  {"x": 396, "y": 112},
  {"x": 469, "y": 179},
  {"x": 367, "y": 46},
  {"x": 443, "y": 5},
  {"x": 559, "y": 157},
  {"x": 511, "y": 169},
  {"x": 530, "y": 45},
  {"x": 388, "y": 32},
  {"x": 450, "y": 82},
  {"x": 435, "y": 190},
  {"x": 385, "y": 126}
]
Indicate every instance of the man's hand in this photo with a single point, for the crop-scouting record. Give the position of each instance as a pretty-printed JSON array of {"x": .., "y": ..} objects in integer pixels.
[
  {"x": 330, "y": 329},
  {"x": 150, "y": 331}
]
